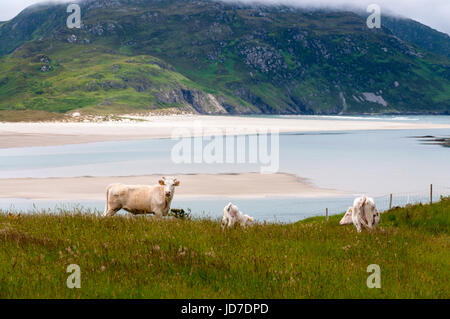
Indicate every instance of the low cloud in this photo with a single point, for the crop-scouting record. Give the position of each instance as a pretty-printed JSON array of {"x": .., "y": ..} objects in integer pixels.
[
  {"x": 434, "y": 13},
  {"x": 10, "y": 8}
]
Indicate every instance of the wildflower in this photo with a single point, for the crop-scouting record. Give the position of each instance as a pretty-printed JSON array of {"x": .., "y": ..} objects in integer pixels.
[{"x": 182, "y": 251}]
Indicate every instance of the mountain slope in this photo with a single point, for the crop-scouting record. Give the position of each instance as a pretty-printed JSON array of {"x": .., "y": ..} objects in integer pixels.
[
  {"x": 418, "y": 34},
  {"x": 219, "y": 58},
  {"x": 97, "y": 81}
]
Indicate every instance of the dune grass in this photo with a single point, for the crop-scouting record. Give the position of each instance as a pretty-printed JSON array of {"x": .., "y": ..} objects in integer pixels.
[{"x": 148, "y": 258}]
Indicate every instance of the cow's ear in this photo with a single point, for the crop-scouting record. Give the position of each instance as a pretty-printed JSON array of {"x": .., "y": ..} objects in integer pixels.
[
  {"x": 177, "y": 183},
  {"x": 161, "y": 182}
]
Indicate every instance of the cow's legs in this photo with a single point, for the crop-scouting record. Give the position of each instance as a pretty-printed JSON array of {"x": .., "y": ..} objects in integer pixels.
[
  {"x": 357, "y": 223},
  {"x": 224, "y": 222},
  {"x": 160, "y": 212},
  {"x": 370, "y": 220},
  {"x": 358, "y": 227},
  {"x": 362, "y": 222}
]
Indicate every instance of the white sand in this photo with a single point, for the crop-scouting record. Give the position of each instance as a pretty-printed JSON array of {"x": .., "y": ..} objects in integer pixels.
[
  {"x": 232, "y": 185},
  {"x": 247, "y": 185},
  {"x": 59, "y": 133}
]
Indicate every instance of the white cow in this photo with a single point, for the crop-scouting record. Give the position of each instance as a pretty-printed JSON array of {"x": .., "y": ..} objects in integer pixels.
[
  {"x": 232, "y": 215},
  {"x": 141, "y": 199},
  {"x": 363, "y": 214}
]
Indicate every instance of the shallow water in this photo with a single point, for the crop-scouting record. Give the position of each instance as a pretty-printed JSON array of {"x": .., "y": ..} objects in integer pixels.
[{"x": 372, "y": 162}]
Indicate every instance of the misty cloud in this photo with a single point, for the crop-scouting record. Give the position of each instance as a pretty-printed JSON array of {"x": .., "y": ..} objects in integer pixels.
[
  {"x": 434, "y": 13},
  {"x": 10, "y": 8}
]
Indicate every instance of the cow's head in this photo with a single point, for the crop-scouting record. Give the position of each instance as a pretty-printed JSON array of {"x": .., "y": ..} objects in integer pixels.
[
  {"x": 169, "y": 184},
  {"x": 347, "y": 219}
]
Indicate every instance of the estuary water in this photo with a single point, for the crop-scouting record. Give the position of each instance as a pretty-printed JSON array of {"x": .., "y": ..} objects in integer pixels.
[{"x": 377, "y": 163}]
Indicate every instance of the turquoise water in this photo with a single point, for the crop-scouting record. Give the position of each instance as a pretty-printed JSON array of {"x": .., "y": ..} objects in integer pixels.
[{"x": 371, "y": 162}]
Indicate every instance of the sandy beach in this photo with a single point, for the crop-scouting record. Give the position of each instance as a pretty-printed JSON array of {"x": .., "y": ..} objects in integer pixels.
[
  {"x": 247, "y": 185},
  {"x": 60, "y": 133}
]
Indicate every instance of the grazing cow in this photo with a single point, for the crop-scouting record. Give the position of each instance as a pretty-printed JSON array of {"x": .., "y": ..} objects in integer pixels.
[
  {"x": 231, "y": 215},
  {"x": 363, "y": 214},
  {"x": 141, "y": 199}
]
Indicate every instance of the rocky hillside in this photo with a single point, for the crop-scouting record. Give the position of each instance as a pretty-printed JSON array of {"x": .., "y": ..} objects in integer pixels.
[
  {"x": 213, "y": 57},
  {"x": 418, "y": 34}
]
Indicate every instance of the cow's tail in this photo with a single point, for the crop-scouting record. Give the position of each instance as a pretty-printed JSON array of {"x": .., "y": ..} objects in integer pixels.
[{"x": 107, "y": 201}]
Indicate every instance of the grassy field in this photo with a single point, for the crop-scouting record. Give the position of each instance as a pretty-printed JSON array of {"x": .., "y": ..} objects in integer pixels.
[{"x": 147, "y": 258}]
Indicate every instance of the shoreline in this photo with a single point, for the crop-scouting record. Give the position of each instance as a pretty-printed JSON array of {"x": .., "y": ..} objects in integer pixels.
[
  {"x": 192, "y": 186},
  {"x": 32, "y": 134}
]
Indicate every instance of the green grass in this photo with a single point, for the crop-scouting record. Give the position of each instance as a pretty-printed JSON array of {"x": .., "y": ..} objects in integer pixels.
[
  {"x": 147, "y": 258},
  {"x": 29, "y": 116},
  {"x": 94, "y": 81}
]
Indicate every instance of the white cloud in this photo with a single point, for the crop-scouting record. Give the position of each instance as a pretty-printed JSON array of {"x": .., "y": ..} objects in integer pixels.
[
  {"x": 434, "y": 13},
  {"x": 10, "y": 8}
]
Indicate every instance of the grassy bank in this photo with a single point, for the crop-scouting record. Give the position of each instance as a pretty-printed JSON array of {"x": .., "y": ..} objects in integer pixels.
[{"x": 146, "y": 258}]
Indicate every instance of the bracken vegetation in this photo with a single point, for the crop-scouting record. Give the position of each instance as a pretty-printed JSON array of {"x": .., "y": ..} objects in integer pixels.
[{"x": 143, "y": 257}]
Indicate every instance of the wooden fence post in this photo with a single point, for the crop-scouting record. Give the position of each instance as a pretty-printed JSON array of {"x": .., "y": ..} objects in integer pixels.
[
  {"x": 431, "y": 194},
  {"x": 327, "y": 214},
  {"x": 390, "y": 201}
]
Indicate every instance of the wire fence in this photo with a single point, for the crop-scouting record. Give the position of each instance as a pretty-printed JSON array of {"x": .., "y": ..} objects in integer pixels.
[
  {"x": 273, "y": 210},
  {"x": 386, "y": 202}
]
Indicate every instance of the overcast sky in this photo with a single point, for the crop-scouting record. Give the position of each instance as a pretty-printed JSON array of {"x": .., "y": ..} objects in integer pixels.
[{"x": 434, "y": 13}]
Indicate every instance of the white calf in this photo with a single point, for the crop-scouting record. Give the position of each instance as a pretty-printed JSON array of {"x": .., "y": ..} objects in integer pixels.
[{"x": 232, "y": 215}]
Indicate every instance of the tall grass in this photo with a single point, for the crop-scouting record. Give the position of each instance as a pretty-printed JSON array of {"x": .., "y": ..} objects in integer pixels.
[{"x": 149, "y": 258}]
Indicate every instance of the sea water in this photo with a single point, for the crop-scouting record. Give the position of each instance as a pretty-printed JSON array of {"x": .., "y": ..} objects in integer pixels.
[{"x": 373, "y": 162}]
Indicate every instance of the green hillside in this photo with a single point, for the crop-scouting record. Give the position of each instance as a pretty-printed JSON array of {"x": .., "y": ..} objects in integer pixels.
[
  {"x": 419, "y": 34},
  {"x": 215, "y": 57},
  {"x": 143, "y": 257},
  {"x": 94, "y": 80}
]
